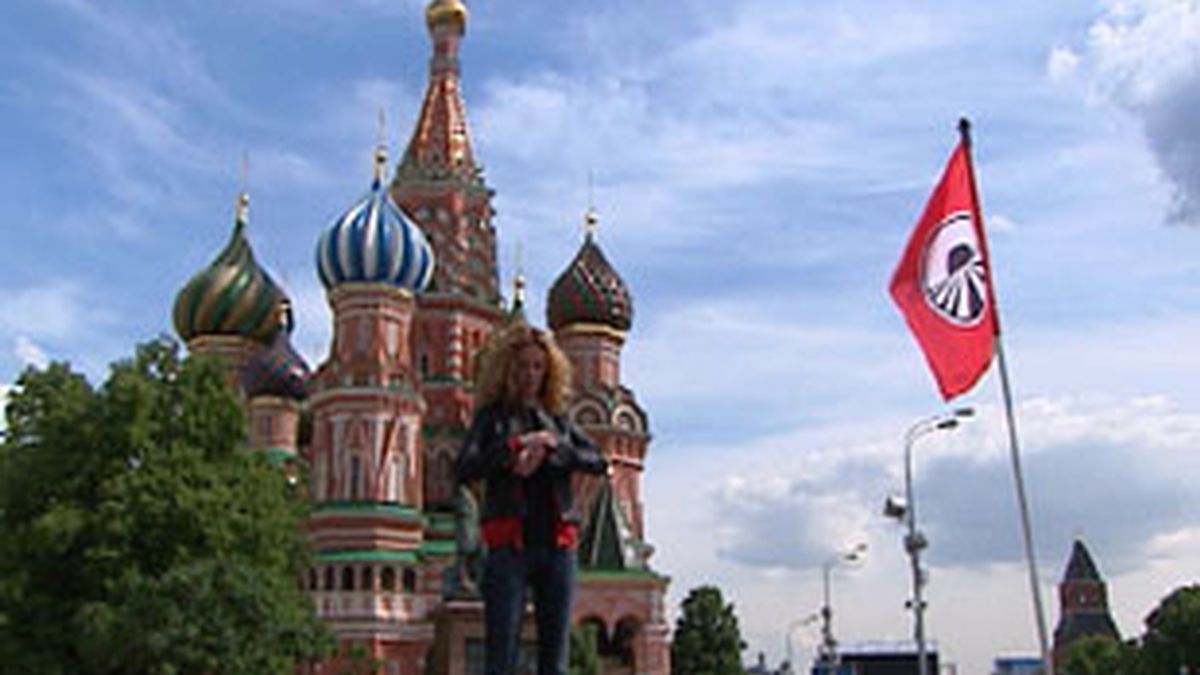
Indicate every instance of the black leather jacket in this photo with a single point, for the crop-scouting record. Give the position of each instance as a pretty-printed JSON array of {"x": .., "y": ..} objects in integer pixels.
[{"x": 486, "y": 455}]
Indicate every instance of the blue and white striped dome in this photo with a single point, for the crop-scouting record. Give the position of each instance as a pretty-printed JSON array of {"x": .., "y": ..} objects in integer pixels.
[{"x": 375, "y": 243}]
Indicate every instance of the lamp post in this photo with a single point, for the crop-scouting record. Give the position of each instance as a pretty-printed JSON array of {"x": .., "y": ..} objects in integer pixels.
[
  {"x": 828, "y": 644},
  {"x": 914, "y": 540}
]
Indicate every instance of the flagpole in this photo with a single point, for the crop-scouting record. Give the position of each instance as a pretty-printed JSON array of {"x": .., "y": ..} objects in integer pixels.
[{"x": 964, "y": 129}]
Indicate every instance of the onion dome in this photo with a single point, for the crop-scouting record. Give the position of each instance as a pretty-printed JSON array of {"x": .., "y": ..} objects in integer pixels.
[
  {"x": 590, "y": 290},
  {"x": 453, "y": 11},
  {"x": 373, "y": 242},
  {"x": 232, "y": 296},
  {"x": 277, "y": 370}
]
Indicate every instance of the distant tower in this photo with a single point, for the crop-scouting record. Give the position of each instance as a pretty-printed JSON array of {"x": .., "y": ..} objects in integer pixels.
[
  {"x": 366, "y": 527},
  {"x": 590, "y": 311},
  {"x": 232, "y": 307},
  {"x": 441, "y": 187},
  {"x": 1083, "y": 601}
]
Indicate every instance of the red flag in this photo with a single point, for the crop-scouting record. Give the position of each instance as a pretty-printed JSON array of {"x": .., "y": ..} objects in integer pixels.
[{"x": 942, "y": 284}]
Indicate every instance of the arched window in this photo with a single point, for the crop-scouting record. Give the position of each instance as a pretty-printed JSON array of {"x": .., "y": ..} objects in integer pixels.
[
  {"x": 623, "y": 639},
  {"x": 368, "y": 579},
  {"x": 355, "y": 479},
  {"x": 410, "y": 580},
  {"x": 312, "y": 578},
  {"x": 329, "y": 579},
  {"x": 347, "y": 578},
  {"x": 388, "y": 577}
]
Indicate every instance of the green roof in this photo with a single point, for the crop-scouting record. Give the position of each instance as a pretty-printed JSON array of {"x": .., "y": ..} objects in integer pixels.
[
  {"x": 440, "y": 522},
  {"x": 367, "y": 555},
  {"x": 621, "y": 575},
  {"x": 279, "y": 455},
  {"x": 439, "y": 547}
]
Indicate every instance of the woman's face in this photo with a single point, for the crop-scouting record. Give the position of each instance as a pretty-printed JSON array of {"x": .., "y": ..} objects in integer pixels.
[{"x": 530, "y": 372}]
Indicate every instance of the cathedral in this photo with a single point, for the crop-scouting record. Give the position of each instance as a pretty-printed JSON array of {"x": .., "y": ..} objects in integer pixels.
[{"x": 412, "y": 281}]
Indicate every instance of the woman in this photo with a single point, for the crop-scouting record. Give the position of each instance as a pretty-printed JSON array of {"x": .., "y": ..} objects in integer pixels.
[{"x": 525, "y": 450}]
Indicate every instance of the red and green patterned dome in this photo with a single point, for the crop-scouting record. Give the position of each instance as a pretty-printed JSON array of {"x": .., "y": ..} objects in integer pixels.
[
  {"x": 233, "y": 296},
  {"x": 277, "y": 370},
  {"x": 589, "y": 290}
]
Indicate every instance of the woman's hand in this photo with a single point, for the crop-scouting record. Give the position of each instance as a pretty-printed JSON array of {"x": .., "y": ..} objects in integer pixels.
[{"x": 535, "y": 446}]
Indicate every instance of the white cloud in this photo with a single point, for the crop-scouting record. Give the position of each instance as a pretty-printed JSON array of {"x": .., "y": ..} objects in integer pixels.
[
  {"x": 1145, "y": 56},
  {"x": 29, "y": 353},
  {"x": 1062, "y": 63},
  {"x": 57, "y": 310},
  {"x": 62, "y": 320},
  {"x": 999, "y": 222}
]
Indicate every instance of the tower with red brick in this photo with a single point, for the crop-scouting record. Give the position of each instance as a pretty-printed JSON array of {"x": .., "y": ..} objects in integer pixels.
[
  {"x": 1083, "y": 602},
  {"x": 438, "y": 183},
  {"x": 590, "y": 310},
  {"x": 367, "y": 525}
]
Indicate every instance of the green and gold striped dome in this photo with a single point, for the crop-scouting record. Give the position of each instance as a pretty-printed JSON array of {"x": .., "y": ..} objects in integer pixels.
[{"x": 232, "y": 296}]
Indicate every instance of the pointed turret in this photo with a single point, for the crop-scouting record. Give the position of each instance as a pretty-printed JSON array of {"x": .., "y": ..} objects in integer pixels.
[
  {"x": 441, "y": 145},
  {"x": 1083, "y": 601},
  {"x": 608, "y": 542},
  {"x": 438, "y": 181},
  {"x": 440, "y": 186}
]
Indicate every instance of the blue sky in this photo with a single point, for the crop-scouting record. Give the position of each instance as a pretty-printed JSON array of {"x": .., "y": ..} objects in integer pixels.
[{"x": 757, "y": 167}]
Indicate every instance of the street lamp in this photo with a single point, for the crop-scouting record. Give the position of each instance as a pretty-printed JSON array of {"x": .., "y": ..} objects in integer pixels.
[
  {"x": 906, "y": 510},
  {"x": 828, "y": 644}
]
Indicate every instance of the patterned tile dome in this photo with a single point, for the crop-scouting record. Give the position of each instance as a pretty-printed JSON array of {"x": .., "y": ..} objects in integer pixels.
[
  {"x": 373, "y": 242},
  {"x": 590, "y": 290},
  {"x": 277, "y": 370},
  {"x": 233, "y": 295}
]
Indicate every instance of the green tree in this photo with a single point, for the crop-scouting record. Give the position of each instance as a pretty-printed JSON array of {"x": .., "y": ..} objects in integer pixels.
[
  {"x": 1172, "y": 638},
  {"x": 141, "y": 536},
  {"x": 584, "y": 657},
  {"x": 1100, "y": 655},
  {"x": 707, "y": 639}
]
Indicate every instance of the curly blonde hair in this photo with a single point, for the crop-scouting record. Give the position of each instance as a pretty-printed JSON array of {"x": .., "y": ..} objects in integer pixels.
[{"x": 496, "y": 359}]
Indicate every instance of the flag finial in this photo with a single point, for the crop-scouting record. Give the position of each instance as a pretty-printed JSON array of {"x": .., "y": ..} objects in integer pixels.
[{"x": 964, "y": 130}]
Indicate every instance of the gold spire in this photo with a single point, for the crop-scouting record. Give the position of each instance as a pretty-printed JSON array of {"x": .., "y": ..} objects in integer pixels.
[
  {"x": 519, "y": 289},
  {"x": 591, "y": 220},
  {"x": 519, "y": 279},
  {"x": 241, "y": 208},
  {"x": 440, "y": 11},
  {"x": 381, "y": 157}
]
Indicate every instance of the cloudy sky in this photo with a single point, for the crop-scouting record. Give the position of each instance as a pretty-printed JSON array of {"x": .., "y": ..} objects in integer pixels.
[{"x": 757, "y": 168}]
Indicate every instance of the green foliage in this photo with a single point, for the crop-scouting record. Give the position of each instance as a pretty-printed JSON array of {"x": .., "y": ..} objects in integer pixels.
[
  {"x": 707, "y": 638},
  {"x": 141, "y": 536},
  {"x": 1099, "y": 655},
  {"x": 584, "y": 659},
  {"x": 1172, "y": 638},
  {"x": 1171, "y": 643}
]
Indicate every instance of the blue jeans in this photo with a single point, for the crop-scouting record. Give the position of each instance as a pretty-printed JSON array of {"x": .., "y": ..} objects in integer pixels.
[{"x": 506, "y": 574}]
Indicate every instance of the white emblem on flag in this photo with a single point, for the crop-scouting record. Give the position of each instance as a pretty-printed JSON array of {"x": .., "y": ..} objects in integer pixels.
[{"x": 953, "y": 275}]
